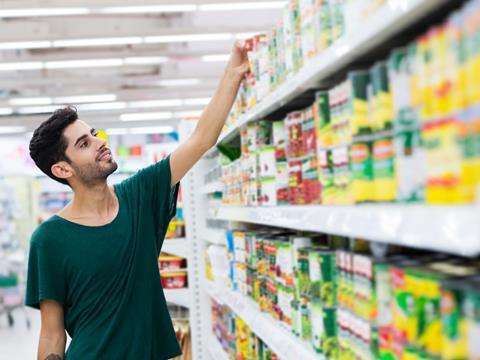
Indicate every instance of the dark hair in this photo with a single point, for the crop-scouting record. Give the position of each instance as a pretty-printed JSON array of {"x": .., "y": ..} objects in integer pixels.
[{"x": 48, "y": 144}]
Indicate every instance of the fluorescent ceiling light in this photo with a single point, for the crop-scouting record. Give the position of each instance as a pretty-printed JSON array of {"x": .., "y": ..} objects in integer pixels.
[
  {"x": 152, "y": 130},
  {"x": 146, "y": 116},
  {"x": 12, "y": 129},
  {"x": 102, "y": 106},
  {"x": 85, "y": 99},
  {"x": 199, "y": 101},
  {"x": 30, "y": 101},
  {"x": 244, "y": 36},
  {"x": 188, "y": 38},
  {"x": 37, "y": 109},
  {"x": 155, "y": 103},
  {"x": 25, "y": 45},
  {"x": 34, "y": 65},
  {"x": 145, "y": 60},
  {"x": 178, "y": 82},
  {"x": 257, "y": 5},
  {"x": 98, "y": 41},
  {"x": 84, "y": 63},
  {"x": 148, "y": 9},
  {"x": 117, "y": 131},
  {"x": 187, "y": 114},
  {"x": 9, "y": 13},
  {"x": 6, "y": 111},
  {"x": 216, "y": 58}
]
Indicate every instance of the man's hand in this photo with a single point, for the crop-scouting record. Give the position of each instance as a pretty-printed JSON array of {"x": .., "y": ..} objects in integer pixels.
[{"x": 238, "y": 63}]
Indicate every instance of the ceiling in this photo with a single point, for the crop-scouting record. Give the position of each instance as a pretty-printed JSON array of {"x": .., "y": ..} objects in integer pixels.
[{"x": 129, "y": 57}]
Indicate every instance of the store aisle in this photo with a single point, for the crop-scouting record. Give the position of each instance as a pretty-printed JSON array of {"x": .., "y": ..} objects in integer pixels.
[{"x": 19, "y": 342}]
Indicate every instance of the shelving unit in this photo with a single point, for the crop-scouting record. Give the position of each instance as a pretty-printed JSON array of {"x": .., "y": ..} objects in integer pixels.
[
  {"x": 178, "y": 297},
  {"x": 452, "y": 229},
  {"x": 176, "y": 247},
  {"x": 215, "y": 349},
  {"x": 280, "y": 340}
]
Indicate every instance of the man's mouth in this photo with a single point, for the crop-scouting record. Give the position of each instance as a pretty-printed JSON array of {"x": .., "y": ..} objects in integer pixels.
[{"x": 106, "y": 155}]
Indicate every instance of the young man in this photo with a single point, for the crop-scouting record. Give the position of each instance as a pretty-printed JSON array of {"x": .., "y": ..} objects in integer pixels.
[{"x": 93, "y": 267}]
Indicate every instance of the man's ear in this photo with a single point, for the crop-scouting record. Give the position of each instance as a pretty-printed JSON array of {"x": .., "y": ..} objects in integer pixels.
[{"x": 62, "y": 170}]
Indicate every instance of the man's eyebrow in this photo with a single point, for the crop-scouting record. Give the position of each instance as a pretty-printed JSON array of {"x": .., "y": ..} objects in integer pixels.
[{"x": 80, "y": 139}]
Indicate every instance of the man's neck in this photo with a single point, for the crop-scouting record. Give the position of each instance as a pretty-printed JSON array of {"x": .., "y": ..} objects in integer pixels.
[{"x": 92, "y": 202}]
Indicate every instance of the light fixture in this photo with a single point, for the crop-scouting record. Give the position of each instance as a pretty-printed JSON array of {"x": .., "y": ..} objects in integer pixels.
[
  {"x": 152, "y": 130},
  {"x": 36, "y": 109},
  {"x": 102, "y": 106},
  {"x": 11, "y": 13},
  {"x": 12, "y": 129},
  {"x": 145, "y": 60},
  {"x": 188, "y": 38},
  {"x": 30, "y": 101},
  {"x": 6, "y": 111},
  {"x": 84, "y": 63},
  {"x": 155, "y": 103},
  {"x": 257, "y": 5},
  {"x": 198, "y": 101},
  {"x": 31, "y": 65},
  {"x": 188, "y": 114},
  {"x": 85, "y": 99},
  {"x": 98, "y": 42},
  {"x": 146, "y": 116},
  {"x": 178, "y": 82},
  {"x": 42, "y": 44},
  {"x": 148, "y": 9},
  {"x": 117, "y": 131},
  {"x": 216, "y": 58}
]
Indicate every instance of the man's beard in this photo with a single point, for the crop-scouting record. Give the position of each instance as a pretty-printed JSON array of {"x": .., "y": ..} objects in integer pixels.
[{"x": 93, "y": 174}]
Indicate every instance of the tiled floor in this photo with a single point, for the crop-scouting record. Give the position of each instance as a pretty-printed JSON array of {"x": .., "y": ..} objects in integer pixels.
[{"x": 19, "y": 342}]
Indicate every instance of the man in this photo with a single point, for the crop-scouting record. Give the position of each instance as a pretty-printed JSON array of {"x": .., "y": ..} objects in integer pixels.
[{"x": 93, "y": 267}]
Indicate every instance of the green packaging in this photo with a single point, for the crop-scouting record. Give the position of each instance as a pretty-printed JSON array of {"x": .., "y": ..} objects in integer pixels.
[
  {"x": 302, "y": 274},
  {"x": 358, "y": 103},
  {"x": 324, "y": 330},
  {"x": 361, "y": 155},
  {"x": 321, "y": 271}
]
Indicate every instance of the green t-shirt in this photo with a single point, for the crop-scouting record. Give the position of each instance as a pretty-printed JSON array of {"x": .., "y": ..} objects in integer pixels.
[{"x": 107, "y": 277}]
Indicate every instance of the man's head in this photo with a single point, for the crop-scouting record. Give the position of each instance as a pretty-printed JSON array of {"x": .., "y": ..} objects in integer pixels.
[{"x": 68, "y": 150}]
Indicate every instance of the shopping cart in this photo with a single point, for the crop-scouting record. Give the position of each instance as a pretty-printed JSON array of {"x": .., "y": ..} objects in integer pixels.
[{"x": 11, "y": 298}]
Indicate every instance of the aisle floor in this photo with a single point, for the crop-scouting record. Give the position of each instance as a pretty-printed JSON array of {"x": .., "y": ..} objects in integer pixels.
[{"x": 19, "y": 342}]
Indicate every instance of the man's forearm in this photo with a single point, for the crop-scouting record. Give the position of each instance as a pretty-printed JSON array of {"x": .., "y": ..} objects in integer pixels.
[
  {"x": 213, "y": 118},
  {"x": 51, "y": 347}
]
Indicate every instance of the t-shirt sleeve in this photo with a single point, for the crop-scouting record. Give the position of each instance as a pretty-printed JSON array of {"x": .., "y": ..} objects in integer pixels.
[
  {"x": 45, "y": 279},
  {"x": 154, "y": 182}
]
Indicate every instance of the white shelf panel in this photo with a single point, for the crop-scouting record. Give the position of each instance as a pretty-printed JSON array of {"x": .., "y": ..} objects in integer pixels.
[
  {"x": 175, "y": 247},
  {"x": 215, "y": 349},
  {"x": 452, "y": 229},
  {"x": 178, "y": 296},
  {"x": 214, "y": 236},
  {"x": 280, "y": 340},
  {"x": 216, "y": 186},
  {"x": 392, "y": 18}
]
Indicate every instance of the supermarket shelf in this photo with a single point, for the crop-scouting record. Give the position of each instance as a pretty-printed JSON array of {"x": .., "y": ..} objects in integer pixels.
[
  {"x": 215, "y": 349},
  {"x": 217, "y": 237},
  {"x": 178, "y": 296},
  {"x": 175, "y": 247},
  {"x": 390, "y": 19},
  {"x": 452, "y": 229},
  {"x": 280, "y": 340},
  {"x": 165, "y": 271},
  {"x": 216, "y": 186}
]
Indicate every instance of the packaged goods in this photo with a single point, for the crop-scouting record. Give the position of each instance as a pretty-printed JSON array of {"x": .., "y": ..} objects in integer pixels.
[
  {"x": 384, "y": 169},
  {"x": 310, "y": 179},
  {"x": 381, "y": 113},
  {"x": 169, "y": 262},
  {"x": 342, "y": 175},
  {"x": 282, "y": 183},
  {"x": 294, "y": 125},
  {"x": 321, "y": 116},
  {"x": 295, "y": 183},
  {"x": 174, "y": 280},
  {"x": 321, "y": 272},
  {"x": 357, "y": 82},
  {"x": 279, "y": 137},
  {"x": 309, "y": 133},
  {"x": 363, "y": 185},
  {"x": 324, "y": 329},
  {"x": 267, "y": 162},
  {"x": 326, "y": 176}
]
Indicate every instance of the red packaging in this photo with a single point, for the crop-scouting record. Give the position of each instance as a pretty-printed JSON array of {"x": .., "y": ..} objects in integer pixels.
[
  {"x": 296, "y": 194},
  {"x": 168, "y": 262},
  {"x": 294, "y": 124},
  {"x": 174, "y": 280}
]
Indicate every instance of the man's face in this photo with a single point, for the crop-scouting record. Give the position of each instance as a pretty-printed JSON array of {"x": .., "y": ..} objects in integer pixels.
[{"x": 91, "y": 160}]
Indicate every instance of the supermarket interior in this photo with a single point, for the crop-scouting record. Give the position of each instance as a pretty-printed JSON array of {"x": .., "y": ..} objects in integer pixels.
[{"x": 335, "y": 216}]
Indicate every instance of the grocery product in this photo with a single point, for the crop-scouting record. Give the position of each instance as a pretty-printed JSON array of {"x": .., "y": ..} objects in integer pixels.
[{"x": 174, "y": 280}]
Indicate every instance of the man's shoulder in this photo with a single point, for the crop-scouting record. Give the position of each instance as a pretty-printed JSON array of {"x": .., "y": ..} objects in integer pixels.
[{"x": 46, "y": 232}]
